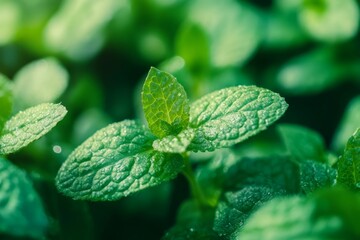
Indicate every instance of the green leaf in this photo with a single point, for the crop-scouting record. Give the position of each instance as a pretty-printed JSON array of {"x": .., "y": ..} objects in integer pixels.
[
  {"x": 165, "y": 104},
  {"x": 328, "y": 214},
  {"x": 349, "y": 163},
  {"x": 6, "y": 100},
  {"x": 231, "y": 115},
  {"x": 348, "y": 124},
  {"x": 116, "y": 161},
  {"x": 174, "y": 144},
  {"x": 303, "y": 143},
  {"x": 305, "y": 74},
  {"x": 21, "y": 210},
  {"x": 234, "y": 30},
  {"x": 232, "y": 212},
  {"x": 314, "y": 175},
  {"x": 330, "y": 20},
  {"x": 29, "y": 125},
  {"x": 38, "y": 82},
  {"x": 279, "y": 173}
]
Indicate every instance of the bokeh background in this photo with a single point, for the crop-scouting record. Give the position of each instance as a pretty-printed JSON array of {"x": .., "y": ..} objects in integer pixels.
[{"x": 92, "y": 56}]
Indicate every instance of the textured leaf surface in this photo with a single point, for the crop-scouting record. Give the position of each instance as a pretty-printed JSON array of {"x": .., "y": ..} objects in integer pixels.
[
  {"x": 349, "y": 163},
  {"x": 21, "y": 211},
  {"x": 228, "y": 116},
  {"x": 303, "y": 143},
  {"x": 165, "y": 104},
  {"x": 6, "y": 100},
  {"x": 314, "y": 175},
  {"x": 329, "y": 214},
  {"x": 115, "y": 162},
  {"x": 233, "y": 211},
  {"x": 41, "y": 81},
  {"x": 174, "y": 144},
  {"x": 29, "y": 125}
]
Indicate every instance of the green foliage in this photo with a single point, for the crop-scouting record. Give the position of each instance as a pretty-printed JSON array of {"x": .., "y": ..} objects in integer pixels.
[
  {"x": 198, "y": 121},
  {"x": 125, "y": 157},
  {"x": 328, "y": 214},
  {"x": 21, "y": 210},
  {"x": 349, "y": 163}
]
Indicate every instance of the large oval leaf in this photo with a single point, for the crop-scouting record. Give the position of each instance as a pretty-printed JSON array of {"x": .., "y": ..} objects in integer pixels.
[
  {"x": 116, "y": 161},
  {"x": 228, "y": 116}
]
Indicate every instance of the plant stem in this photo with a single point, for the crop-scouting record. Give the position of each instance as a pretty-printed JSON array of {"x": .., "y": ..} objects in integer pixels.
[{"x": 194, "y": 186}]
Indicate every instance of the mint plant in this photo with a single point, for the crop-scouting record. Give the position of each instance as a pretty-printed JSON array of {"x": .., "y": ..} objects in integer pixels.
[{"x": 126, "y": 157}]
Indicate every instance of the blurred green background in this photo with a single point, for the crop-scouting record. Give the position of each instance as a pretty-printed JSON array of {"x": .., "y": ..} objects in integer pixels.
[{"x": 93, "y": 56}]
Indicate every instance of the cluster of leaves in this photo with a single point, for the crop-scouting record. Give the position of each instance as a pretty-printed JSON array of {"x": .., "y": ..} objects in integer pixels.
[
  {"x": 301, "y": 49},
  {"x": 126, "y": 157}
]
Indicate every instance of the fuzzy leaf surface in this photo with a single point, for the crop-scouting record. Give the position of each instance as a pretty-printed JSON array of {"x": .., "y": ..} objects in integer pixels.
[
  {"x": 349, "y": 163},
  {"x": 29, "y": 125},
  {"x": 174, "y": 144},
  {"x": 21, "y": 210},
  {"x": 6, "y": 100},
  {"x": 231, "y": 115},
  {"x": 165, "y": 104},
  {"x": 116, "y": 161}
]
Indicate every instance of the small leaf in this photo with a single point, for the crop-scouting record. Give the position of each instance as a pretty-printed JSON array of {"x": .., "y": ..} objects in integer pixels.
[
  {"x": 314, "y": 175},
  {"x": 348, "y": 124},
  {"x": 330, "y": 20},
  {"x": 165, "y": 104},
  {"x": 40, "y": 81},
  {"x": 303, "y": 143},
  {"x": 116, "y": 161},
  {"x": 328, "y": 214},
  {"x": 231, "y": 115},
  {"x": 21, "y": 210},
  {"x": 174, "y": 144},
  {"x": 6, "y": 100},
  {"x": 349, "y": 163},
  {"x": 29, "y": 125}
]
